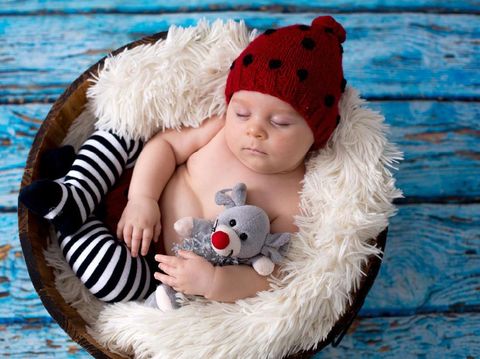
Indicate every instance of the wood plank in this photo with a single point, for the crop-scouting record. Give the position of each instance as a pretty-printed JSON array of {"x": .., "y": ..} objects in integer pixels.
[
  {"x": 440, "y": 145},
  {"x": 439, "y": 140},
  {"x": 432, "y": 264},
  {"x": 18, "y": 126},
  {"x": 146, "y": 6},
  {"x": 18, "y": 298},
  {"x": 421, "y": 336},
  {"x": 37, "y": 340},
  {"x": 439, "y": 58}
]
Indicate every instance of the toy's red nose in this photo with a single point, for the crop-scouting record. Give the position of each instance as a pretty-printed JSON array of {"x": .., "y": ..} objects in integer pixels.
[{"x": 220, "y": 240}]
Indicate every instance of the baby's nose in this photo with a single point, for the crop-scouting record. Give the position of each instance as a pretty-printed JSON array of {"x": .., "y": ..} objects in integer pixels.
[
  {"x": 220, "y": 240},
  {"x": 256, "y": 131}
]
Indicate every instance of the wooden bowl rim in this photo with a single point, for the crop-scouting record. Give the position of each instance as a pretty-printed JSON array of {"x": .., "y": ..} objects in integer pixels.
[{"x": 80, "y": 335}]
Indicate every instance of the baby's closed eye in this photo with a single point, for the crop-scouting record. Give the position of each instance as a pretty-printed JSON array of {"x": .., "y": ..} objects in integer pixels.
[{"x": 280, "y": 123}]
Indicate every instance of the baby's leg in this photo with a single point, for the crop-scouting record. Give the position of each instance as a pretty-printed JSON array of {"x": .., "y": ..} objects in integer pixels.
[
  {"x": 68, "y": 202},
  {"x": 105, "y": 265}
]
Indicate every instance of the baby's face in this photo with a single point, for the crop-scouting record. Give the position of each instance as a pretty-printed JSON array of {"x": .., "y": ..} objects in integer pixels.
[{"x": 265, "y": 133}]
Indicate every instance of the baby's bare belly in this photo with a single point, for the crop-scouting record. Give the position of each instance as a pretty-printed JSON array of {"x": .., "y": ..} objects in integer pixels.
[{"x": 178, "y": 200}]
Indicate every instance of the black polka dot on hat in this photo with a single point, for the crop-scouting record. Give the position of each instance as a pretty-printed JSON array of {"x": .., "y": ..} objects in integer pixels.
[
  {"x": 269, "y": 31},
  {"x": 329, "y": 100},
  {"x": 338, "y": 119},
  {"x": 343, "y": 84},
  {"x": 304, "y": 27},
  {"x": 308, "y": 43},
  {"x": 232, "y": 65},
  {"x": 302, "y": 74},
  {"x": 247, "y": 60},
  {"x": 274, "y": 64},
  {"x": 329, "y": 30},
  {"x": 341, "y": 49}
]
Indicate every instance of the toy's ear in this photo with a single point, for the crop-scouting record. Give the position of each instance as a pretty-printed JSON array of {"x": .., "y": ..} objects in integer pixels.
[
  {"x": 238, "y": 198},
  {"x": 276, "y": 246},
  {"x": 223, "y": 199},
  {"x": 239, "y": 194}
]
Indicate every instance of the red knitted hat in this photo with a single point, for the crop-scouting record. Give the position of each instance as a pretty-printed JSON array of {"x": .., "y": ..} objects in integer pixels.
[{"x": 299, "y": 64}]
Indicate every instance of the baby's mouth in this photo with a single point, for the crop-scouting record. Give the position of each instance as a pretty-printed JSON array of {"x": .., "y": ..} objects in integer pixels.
[{"x": 254, "y": 150}]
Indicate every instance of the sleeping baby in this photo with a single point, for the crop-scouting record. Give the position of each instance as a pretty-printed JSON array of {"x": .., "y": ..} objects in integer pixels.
[{"x": 282, "y": 96}]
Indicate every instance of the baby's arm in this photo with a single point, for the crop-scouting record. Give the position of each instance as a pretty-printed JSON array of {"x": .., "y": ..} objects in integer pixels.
[
  {"x": 140, "y": 221},
  {"x": 234, "y": 282}
]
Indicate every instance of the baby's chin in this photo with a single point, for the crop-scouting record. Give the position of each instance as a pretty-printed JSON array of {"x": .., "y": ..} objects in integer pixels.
[{"x": 265, "y": 166}]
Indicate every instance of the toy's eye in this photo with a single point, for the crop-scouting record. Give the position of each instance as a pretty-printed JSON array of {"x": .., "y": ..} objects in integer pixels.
[
  {"x": 243, "y": 236},
  {"x": 232, "y": 222}
]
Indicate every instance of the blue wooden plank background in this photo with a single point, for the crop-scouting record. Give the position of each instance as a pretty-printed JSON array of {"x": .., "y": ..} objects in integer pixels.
[{"x": 415, "y": 61}]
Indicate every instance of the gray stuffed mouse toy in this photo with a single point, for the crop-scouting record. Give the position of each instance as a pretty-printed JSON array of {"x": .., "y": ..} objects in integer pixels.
[{"x": 239, "y": 235}]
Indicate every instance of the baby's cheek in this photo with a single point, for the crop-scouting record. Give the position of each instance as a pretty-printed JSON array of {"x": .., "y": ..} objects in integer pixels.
[
  {"x": 232, "y": 140},
  {"x": 293, "y": 151}
]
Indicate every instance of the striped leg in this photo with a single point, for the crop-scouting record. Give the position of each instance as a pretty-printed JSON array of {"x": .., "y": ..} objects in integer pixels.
[
  {"x": 67, "y": 202},
  {"x": 105, "y": 265},
  {"x": 98, "y": 165}
]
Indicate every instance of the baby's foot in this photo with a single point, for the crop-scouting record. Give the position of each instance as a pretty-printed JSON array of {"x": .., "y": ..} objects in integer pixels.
[
  {"x": 55, "y": 162},
  {"x": 53, "y": 201}
]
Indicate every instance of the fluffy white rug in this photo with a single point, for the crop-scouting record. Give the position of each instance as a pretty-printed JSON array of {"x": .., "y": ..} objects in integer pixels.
[{"x": 346, "y": 199}]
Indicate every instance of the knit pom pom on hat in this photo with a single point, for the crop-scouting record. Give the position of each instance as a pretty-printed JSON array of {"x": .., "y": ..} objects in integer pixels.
[{"x": 299, "y": 64}]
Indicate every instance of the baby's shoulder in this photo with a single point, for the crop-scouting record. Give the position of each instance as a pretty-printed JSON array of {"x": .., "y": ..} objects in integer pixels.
[
  {"x": 190, "y": 139},
  {"x": 286, "y": 200}
]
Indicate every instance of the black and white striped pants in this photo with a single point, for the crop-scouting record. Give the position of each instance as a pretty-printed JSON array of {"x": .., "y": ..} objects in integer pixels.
[{"x": 103, "y": 263}]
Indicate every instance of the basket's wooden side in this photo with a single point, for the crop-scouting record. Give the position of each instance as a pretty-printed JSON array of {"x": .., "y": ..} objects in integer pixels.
[{"x": 33, "y": 231}]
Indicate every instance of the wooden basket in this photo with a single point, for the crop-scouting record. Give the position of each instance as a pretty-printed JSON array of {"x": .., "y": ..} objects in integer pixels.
[{"x": 33, "y": 231}]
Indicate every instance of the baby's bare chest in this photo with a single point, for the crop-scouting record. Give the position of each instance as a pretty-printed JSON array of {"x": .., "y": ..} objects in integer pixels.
[
  {"x": 214, "y": 168},
  {"x": 191, "y": 190}
]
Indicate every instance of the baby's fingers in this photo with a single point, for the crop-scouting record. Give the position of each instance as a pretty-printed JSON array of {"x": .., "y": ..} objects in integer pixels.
[
  {"x": 146, "y": 239},
  {"x": 166, "y": 279},
  {"x": 127, "y": 234},
  {"x": 120, "y": 226},
  {"x": 136, "y": 239}
]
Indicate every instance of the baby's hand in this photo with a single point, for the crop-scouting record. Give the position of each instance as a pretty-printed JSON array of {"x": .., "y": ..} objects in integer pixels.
[
  {"x": 139, "y": 224},
  {"x": 188, "y": 273}
]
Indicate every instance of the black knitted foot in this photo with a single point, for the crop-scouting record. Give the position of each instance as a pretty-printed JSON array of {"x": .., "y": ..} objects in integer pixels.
[
  {"x": 43, "y": 196},
  {"x": 56, "y": 162}
]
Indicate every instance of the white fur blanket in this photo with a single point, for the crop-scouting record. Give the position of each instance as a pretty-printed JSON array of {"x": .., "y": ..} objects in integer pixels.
[{"x": 346, "y": 199}]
